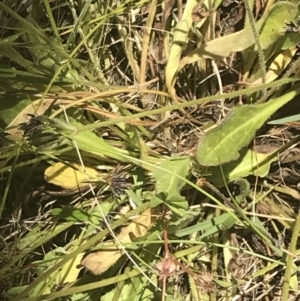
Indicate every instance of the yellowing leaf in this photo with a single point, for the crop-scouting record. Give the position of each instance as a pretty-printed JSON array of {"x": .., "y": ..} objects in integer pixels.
[
  {"x": 99, "y": 262},
  {"x": 294, "y": 282},
  {"x": 70, "y": 270},
  {"x": 69, "y": 176},
  {"x": 278, "y": 65}
]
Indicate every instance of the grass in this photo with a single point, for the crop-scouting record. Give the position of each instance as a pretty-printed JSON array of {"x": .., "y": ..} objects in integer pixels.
[{"x": 121, "y": 177}]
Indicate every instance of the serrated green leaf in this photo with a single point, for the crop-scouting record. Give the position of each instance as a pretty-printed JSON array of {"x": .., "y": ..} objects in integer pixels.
[{"x": 223, "y": 143}]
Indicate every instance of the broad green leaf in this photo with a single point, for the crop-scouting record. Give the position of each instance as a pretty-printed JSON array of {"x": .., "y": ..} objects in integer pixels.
[
  {"x": 290, "y": 40},
  {"x": 249, "y": 163},
  {"x": 156, "y": 200},
  {"x": 223, "y": 143},
  {"x": 169, "y": 179},
  {"x": 280, "y": 14},
  {"x": 166, "y": 176},
  {"x": 177, "y": 204}
]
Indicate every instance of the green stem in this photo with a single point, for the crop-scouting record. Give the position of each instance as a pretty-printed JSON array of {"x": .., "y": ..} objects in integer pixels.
[
  {"x": 290, "y": 258},
  {"x": 2, "y": 203},
  {"x": 261, "y": 57}
]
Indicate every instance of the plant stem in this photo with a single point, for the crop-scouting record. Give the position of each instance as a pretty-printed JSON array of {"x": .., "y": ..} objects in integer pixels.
[
  {"x": 261, "y": 56},
  {"x": 290, "y": 258}
]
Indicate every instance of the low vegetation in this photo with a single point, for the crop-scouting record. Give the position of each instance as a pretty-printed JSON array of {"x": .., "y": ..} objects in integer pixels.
[{"x": 149, "y": 150}]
